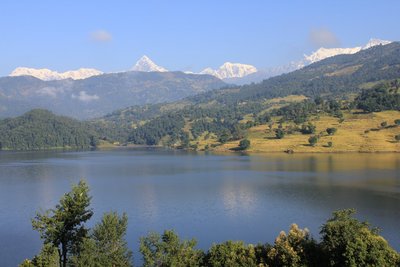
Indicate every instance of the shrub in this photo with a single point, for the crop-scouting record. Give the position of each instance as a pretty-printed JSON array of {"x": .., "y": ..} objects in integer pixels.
[
  {"x": 383, "y": 124},
  {"x": 244, "y": 144},
  {"x": 313, "y": 140},
  {"x": 331, "y": 131},
  {"x": 397, "y": 122},
  {"x": 279, "y": 133}
]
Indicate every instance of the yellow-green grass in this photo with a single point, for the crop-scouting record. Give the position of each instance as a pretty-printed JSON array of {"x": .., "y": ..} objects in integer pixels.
[{"x": 355, "y": 134}]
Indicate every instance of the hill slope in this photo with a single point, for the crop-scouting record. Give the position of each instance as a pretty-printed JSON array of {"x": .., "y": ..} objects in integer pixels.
[
  {"x": 99, "y": 95},
  {"x": 41, "y": 129},
  {"x": 227, "y": 114}
]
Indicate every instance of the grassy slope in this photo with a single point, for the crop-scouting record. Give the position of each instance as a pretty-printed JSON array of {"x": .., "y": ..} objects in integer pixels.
[{"x": 350, "y": 137}]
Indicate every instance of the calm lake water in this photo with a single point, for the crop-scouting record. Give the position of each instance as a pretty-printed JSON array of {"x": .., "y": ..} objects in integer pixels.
[{"x": 207, "y": 196}]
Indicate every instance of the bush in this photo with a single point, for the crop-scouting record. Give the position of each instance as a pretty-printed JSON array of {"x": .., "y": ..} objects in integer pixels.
[
  {"x": 313, "y": 140},
  {"x": 383, "y": 124},
  {"x": 397, "y": 122},
  {"x": 308, "y": 128},
  {"x": 244, "y": 144},
  {"x": 279, "y": 133},
  {"x": 330, "y": 144},
  {"x": 331, "y": 131},
  {"x": 231, "y": 253}
]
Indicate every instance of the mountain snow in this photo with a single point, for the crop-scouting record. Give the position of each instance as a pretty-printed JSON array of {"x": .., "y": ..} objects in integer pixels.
[
  {"x": 147, "y": 65},
  {"x": 323, "y": 53},
  {"x": 48, "y": 75},
  {"x": 230, "y": 70}
]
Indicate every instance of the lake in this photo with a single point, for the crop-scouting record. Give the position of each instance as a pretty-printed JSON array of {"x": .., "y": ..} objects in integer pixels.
[{"x": 212, "y": 197}]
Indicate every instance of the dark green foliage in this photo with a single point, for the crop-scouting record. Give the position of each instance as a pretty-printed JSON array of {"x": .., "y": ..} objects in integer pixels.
[
  {"x": 244, "y": 144},
  {"x": 397, "y": 122},
  {"x": 41, "y": 129},
  {"x": 63, "y": 227},
  {"x": 279, "y": 133},
  {"x": 308, "y": 128},
  {"x": 313, "y": 140},
  {"x": 151, "y": 133},
  {"x": 231, "y": 253},
  {"x": 331, "y": 131},
  {"x": 378, "y": 99},
  {"x": 106, "y": 245},
  {"x": 169, "y": 250},
  {"x": 349, "y": 242}
]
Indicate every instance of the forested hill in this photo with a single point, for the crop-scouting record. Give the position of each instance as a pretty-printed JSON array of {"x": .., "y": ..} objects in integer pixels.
[
  {"x": 334, "y": 77},
  {"x": 227, "y": 113},
  {"x": 41, "y": 129}
]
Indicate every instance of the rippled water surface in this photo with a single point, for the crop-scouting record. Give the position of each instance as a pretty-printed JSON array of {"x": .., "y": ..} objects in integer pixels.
[{"x": 207, "y": 196}]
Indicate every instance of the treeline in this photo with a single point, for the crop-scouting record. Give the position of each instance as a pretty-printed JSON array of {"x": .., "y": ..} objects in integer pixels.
[
  {"x": 345, "y": 241},
  {"x": 41, "y": 129}
]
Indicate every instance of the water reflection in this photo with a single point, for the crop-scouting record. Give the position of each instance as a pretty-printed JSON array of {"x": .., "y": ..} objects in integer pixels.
[{"x": 209, "y": 196}]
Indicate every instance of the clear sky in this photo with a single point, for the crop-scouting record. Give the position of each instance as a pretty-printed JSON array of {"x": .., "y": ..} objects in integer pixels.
[{"x": 184, "y": 35}]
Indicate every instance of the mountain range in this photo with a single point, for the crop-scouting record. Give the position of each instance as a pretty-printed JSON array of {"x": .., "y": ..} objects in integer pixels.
[{"x": 98, "y": 95}]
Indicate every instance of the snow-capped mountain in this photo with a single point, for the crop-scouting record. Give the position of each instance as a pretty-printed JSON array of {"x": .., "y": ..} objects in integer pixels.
[
  {"x": 48, "y": 75},
  {"x": 323, "y": 53},
  {"x": 147, "y": 65},
  {"x": 230, "y": 70}
]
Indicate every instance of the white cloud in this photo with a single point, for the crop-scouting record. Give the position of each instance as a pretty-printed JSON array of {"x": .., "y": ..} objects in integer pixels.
[
  {"x": 101, "y": 36},
  {"x": 84, "y": 97},
  {"x": 49, "y": 91},
  {"x": 323, "y": 37}
]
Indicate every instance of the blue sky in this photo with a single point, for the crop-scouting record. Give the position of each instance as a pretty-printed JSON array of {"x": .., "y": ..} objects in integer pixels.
[{"x": 183, "y": 35}]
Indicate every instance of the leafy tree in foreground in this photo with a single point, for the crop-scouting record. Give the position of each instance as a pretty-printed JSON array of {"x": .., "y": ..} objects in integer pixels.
[
  {"x": 63, "y": 227},
  {"x": 279, "y": 133},
  {"x": 291, "y": 249},
  {"x": 349, "y": 242},
  {"x": 106, "y": 245},
  {"x": 231, "y": 253},
  {"x": 169, "y": 250}
]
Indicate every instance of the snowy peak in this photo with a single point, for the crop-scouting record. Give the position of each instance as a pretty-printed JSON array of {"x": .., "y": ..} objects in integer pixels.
[
  {"x": 48, "y": 75},
  {"x": 374, "y": 42},
  {"x": 147, "y": 65},
  {"x": 230, "y": 70},
  {"x": 323, "y": 53}
]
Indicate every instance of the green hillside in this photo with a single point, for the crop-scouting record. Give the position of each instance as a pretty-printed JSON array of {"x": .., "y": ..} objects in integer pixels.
[
  {"x": 332, "y": 87},
  {"x": 40, "y": 129}
]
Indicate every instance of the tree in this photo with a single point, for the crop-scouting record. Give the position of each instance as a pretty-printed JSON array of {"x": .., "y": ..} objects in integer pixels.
[
  {"x": 169, "y": 250},
  {"x": 331, "y": 131},
  {"x": 313, "y": 140},
  {"x": 290, "y": 249},
  {"x": 231, "y": 253},
  {"x": 308, "y": 128},
  {"x": 48, "y": 257},
  {"x": 63, "y": 227},
  {"x": 107, "y": 245},
  {"x": 279, "y": 133},
  {"x": 244, "y": 144},
  {"x": 349, "y": 242}
]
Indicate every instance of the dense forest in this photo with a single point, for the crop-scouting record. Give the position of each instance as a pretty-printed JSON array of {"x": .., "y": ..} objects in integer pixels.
[
  {"x": 67, "y": 241},
  {"x": 41, "y": 129}
]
